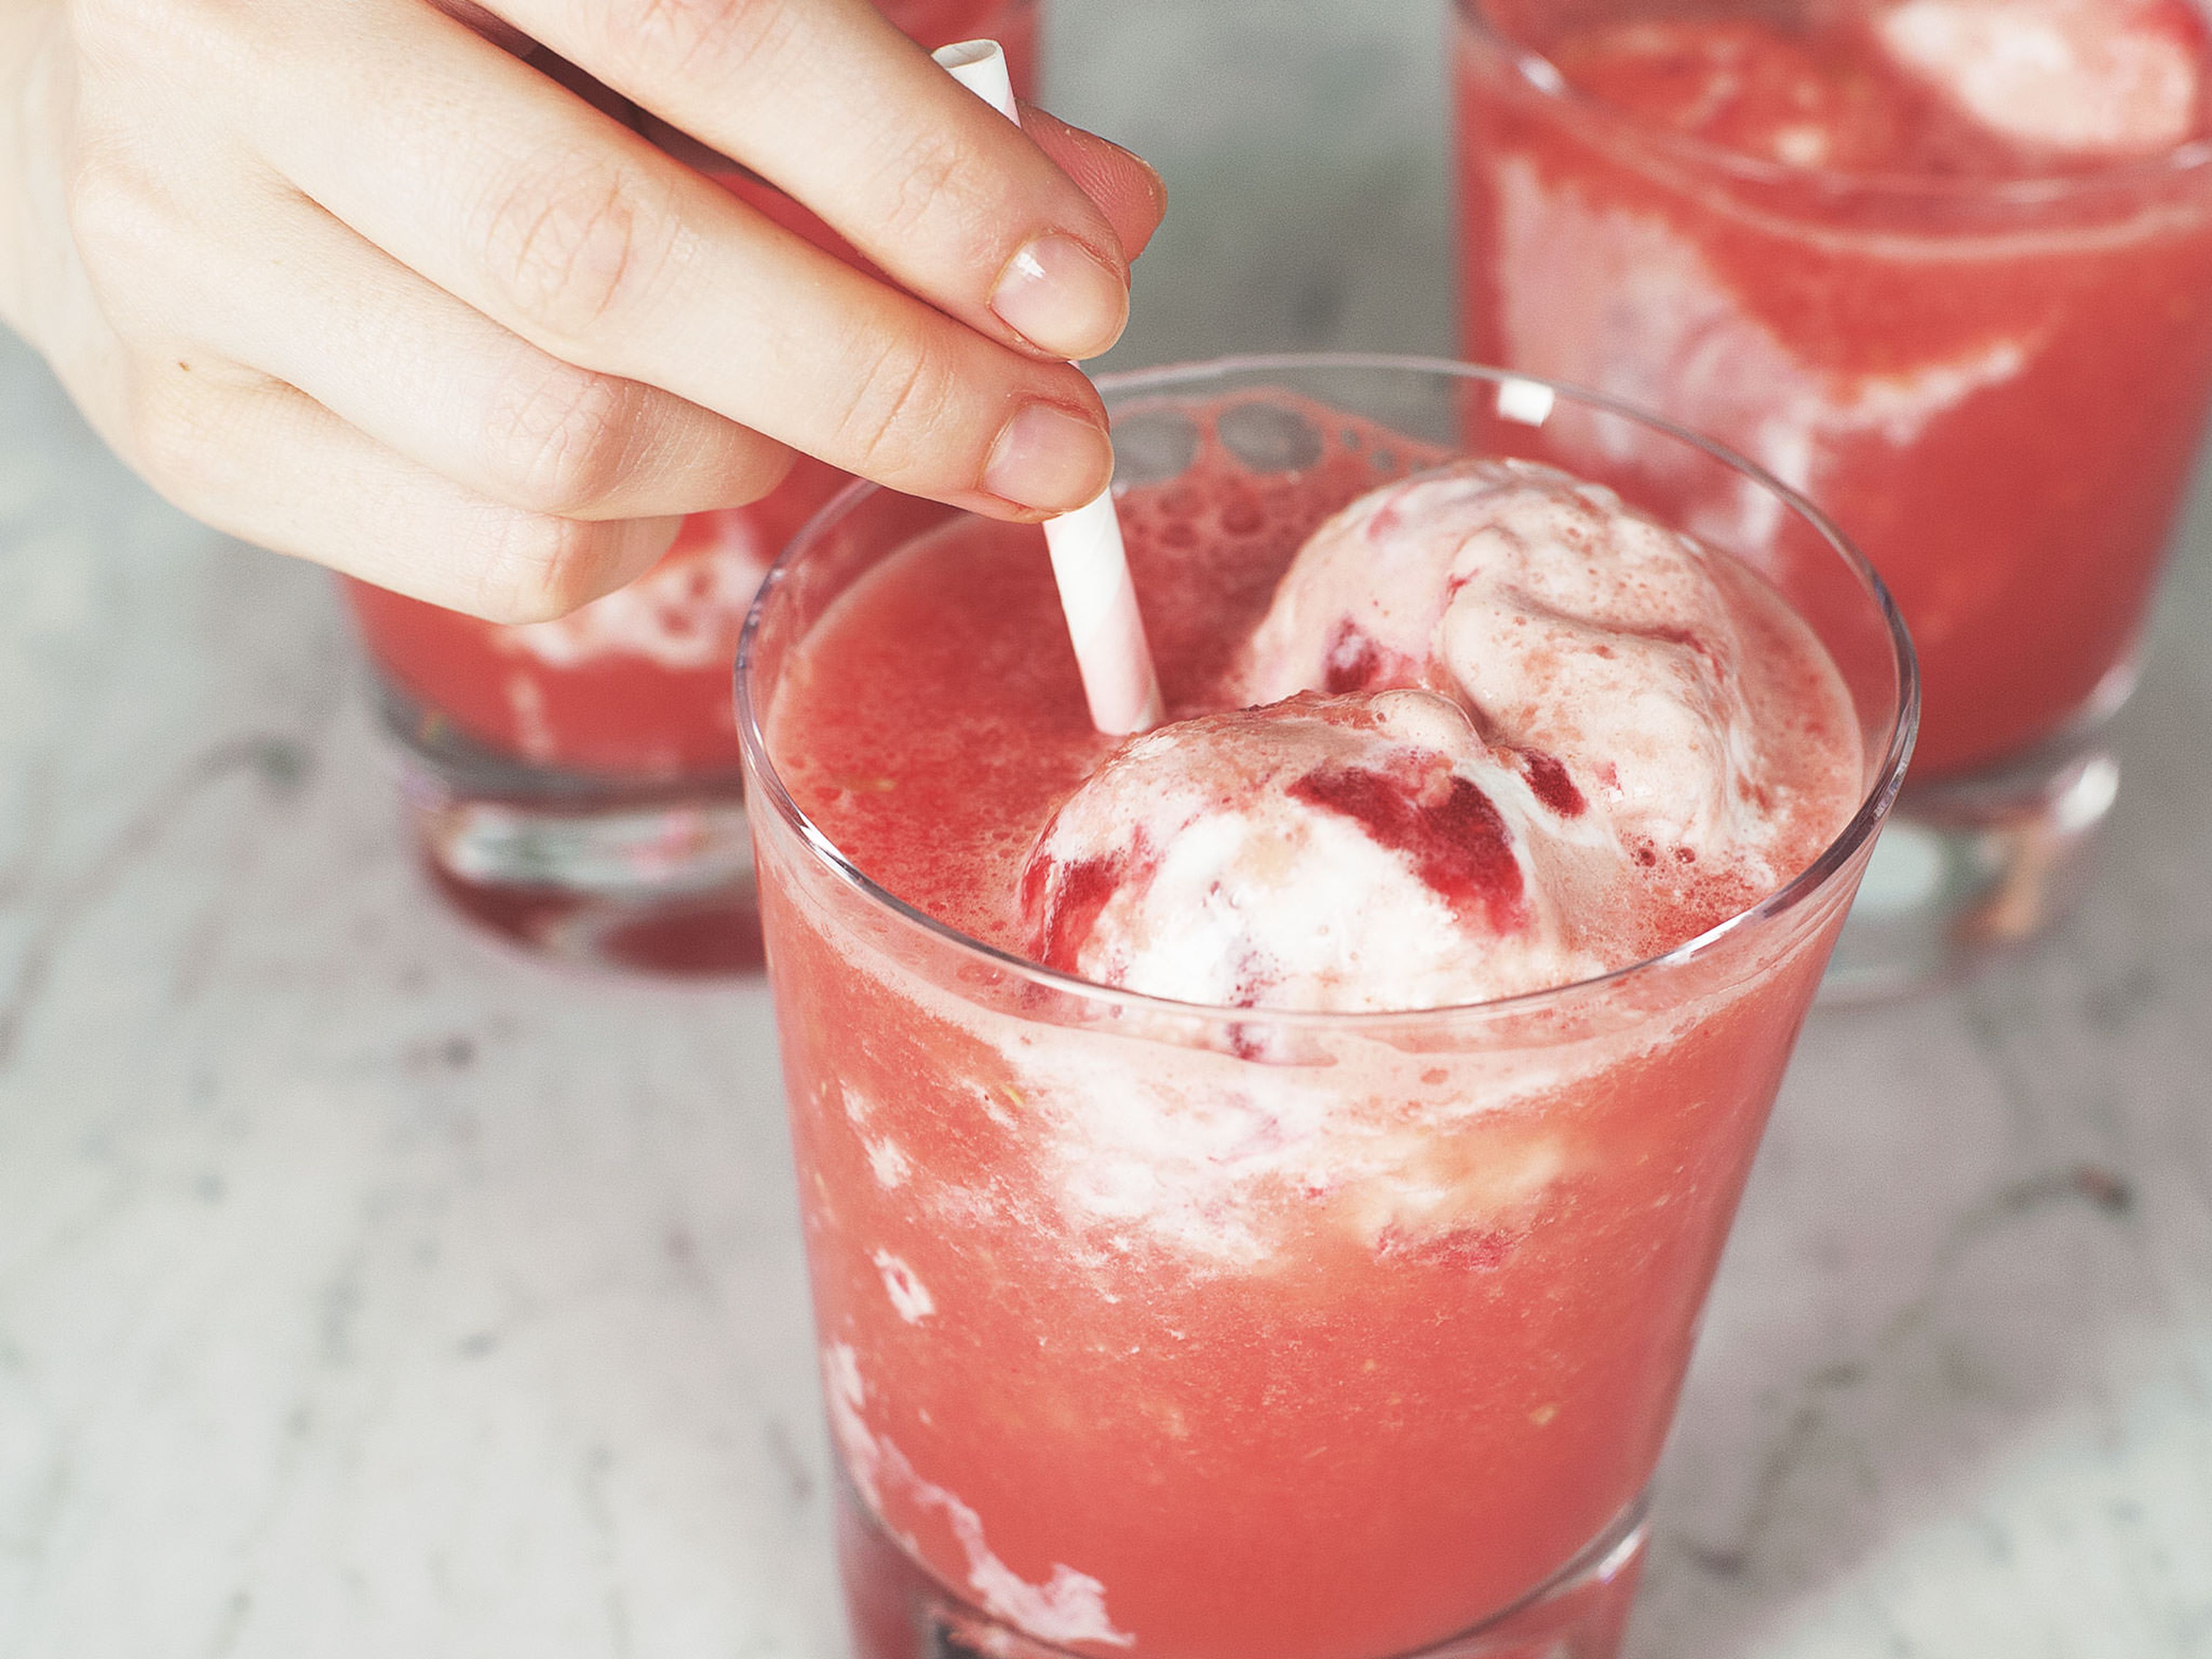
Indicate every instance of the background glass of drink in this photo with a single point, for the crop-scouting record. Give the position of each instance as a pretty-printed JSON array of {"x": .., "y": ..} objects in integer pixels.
[
  {"x": 1159, "y": 1329},
  {"x": 1996, "y": 386},
  {"x": 576, "y": 784}
]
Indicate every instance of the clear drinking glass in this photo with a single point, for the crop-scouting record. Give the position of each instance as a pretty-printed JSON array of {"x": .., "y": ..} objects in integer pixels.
[
  {"x": 1157, "y": 1329},
  {"x": 575, "y": 785},
  {"x": 1996, "y": 387}
]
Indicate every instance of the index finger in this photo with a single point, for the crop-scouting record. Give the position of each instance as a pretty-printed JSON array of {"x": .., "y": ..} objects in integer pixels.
[{"x": 831, "y": 103}]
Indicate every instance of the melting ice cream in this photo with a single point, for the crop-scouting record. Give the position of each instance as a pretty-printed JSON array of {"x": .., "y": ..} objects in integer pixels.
[
  {"x": 1495, "y": 707},
  {"x": 1358, "y": 851}
]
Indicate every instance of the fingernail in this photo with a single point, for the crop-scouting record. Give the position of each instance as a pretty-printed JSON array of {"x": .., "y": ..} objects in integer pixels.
[
  {"x": 1056, "y": 295},
  {"x": 1050, "y": 460}
]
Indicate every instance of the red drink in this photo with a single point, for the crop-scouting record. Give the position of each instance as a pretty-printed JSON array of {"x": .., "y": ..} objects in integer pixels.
[
  {"x": 635, "y": 686},
  {"x": 632, "y": 693},
  {"x": 1963, "y": 301},
  {"x": 1181, "y": 1330}
]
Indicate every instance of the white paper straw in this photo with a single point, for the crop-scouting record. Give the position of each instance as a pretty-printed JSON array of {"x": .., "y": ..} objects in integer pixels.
[
  {"x": 1088, "y": 562},
  {"x": 980, "y": 66}
]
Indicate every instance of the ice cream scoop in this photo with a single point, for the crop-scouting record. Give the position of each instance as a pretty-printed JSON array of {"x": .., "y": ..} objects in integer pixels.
[
  {"x": 1352, "y": 853},
  {"x": 1598, "y": 646},
  {"x": 1502, "y": 733}
]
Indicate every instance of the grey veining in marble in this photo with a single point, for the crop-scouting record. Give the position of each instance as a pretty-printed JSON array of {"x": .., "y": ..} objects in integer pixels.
[{"x": 366, "y": 1290}]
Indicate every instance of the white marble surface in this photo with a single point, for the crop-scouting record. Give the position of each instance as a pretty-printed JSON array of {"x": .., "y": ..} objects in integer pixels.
[{"x": 367, "y": 1291}]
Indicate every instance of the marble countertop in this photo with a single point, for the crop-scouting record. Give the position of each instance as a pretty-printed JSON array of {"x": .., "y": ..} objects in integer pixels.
[{"x": 366, "y": 1290}]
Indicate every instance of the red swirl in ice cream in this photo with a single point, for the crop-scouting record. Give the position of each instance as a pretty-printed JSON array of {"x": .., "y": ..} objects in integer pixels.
[{"x": 1364, "y": 852}]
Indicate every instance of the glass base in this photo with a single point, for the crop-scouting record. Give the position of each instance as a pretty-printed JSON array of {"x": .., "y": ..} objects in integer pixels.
[
  {"x": 1972, "y": 866},
  {"x": 641, "y": 877},
  {"x": 899, "y": 1612}
]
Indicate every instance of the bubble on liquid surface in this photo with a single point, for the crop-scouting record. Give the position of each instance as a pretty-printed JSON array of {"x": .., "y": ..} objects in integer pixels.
[
  {"x": 1268, "y": 438},
  {"x": 1154, "y": 447}
]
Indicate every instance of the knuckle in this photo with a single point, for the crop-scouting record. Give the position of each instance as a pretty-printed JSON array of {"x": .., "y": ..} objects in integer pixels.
[
  {"x": 532, "y": 568},
  {"x": 926, "y": 175},
  {"x": 569, "y": 244},
  {"x": 102, "y": 26},
  {"x": 99, "y": 27},
  {"x": 112, "y": 217},
  {"x": 905, "y": 392},
  {"x": 564, "y": 437},
  {"x": 176, "y": 439},
  {"x": 125, "y": 46},
  {"x": 703, "y": 40}
]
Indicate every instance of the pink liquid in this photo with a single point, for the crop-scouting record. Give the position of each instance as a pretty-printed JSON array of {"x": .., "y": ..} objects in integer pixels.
[
  {"x": 1995, "y": 391},
  {"x": 637, "y": 686},
  {"x": 1143, "y": 1395}
]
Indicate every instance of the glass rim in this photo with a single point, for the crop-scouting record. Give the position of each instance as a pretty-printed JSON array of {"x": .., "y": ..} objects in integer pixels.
[
  {"x": 1813, "y": 879},
  {"x": 1535, "y": 72}
]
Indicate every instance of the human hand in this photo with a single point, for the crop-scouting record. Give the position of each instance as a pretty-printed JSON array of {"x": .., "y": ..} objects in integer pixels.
[{"x": 359, "y": 280}]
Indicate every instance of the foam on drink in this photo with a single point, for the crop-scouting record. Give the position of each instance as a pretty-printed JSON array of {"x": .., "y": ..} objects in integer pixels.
[{"x": 2088, "y": 79}]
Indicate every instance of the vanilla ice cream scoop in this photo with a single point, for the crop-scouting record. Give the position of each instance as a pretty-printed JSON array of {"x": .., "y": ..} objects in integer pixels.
[
  {"x": 2082, "y": 78},
  {"x": 1599, "y": 645},
  {"x": 1344, "y": 853}
]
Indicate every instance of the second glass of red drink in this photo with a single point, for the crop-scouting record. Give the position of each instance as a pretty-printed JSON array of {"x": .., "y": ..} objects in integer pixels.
[
  {"x": 575, "y": 785},
  {"x": 1944, "y": 265}
]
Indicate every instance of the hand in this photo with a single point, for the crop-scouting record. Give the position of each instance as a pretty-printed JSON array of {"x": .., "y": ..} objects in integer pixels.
[{"x": 365, "y": 281}]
